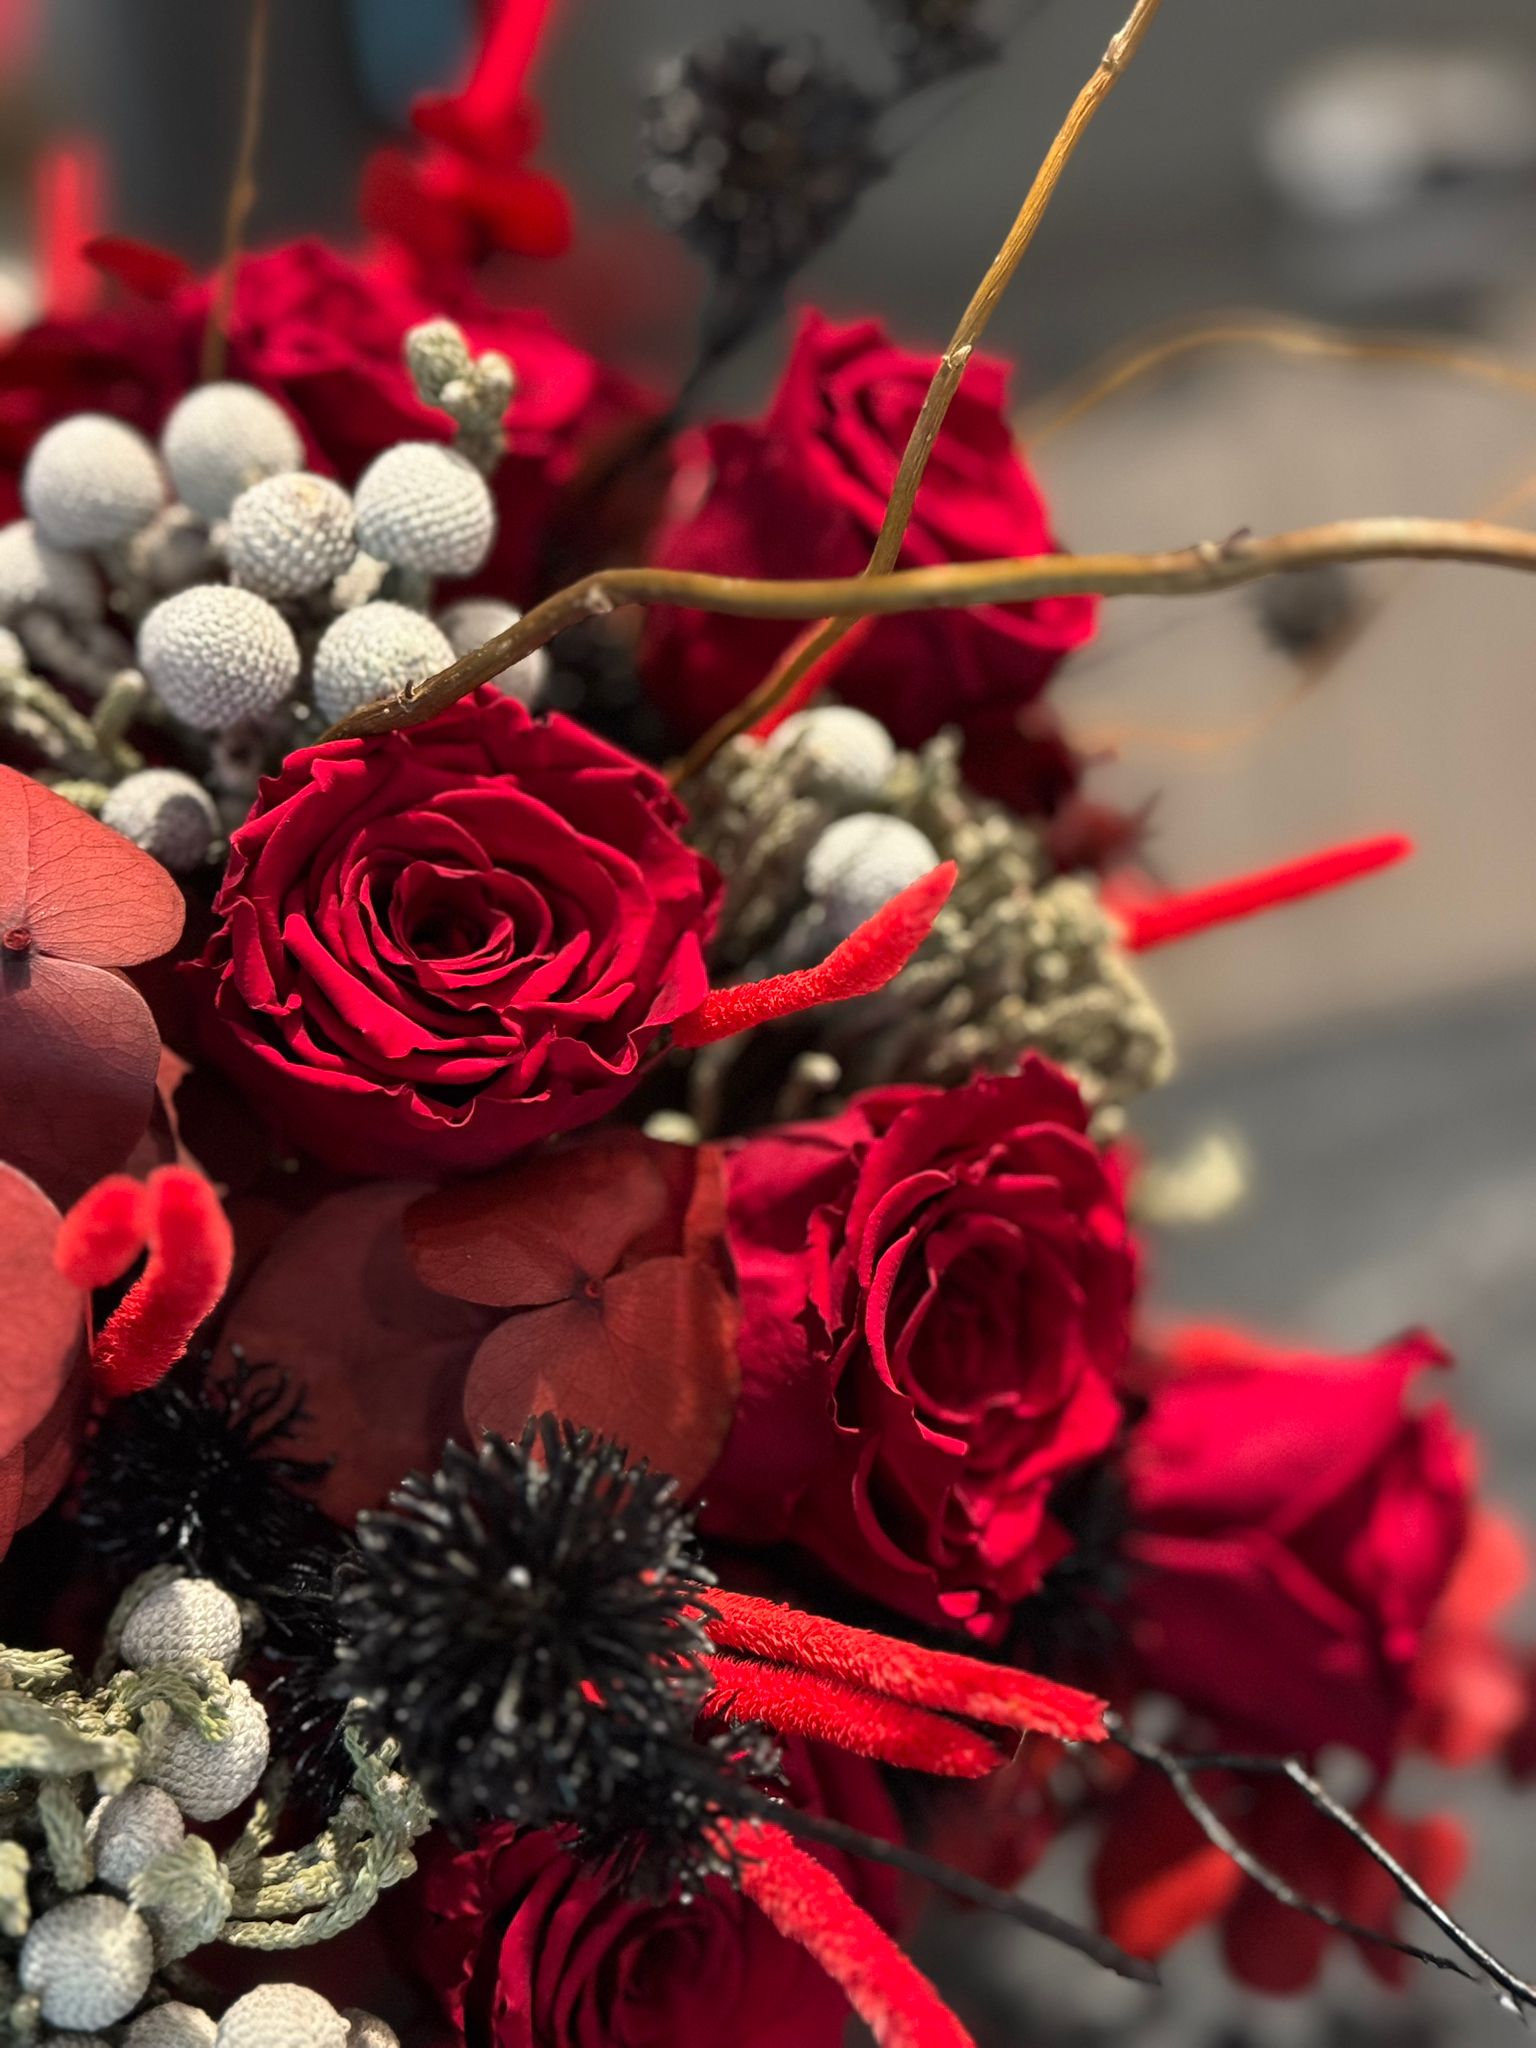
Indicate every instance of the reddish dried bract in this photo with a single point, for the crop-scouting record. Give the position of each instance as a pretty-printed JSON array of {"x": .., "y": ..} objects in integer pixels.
[{"x": 865, "y": 961}]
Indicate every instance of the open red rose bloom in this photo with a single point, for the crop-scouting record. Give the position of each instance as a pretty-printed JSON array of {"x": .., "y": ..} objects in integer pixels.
[{"x": 580, "y": 1424}]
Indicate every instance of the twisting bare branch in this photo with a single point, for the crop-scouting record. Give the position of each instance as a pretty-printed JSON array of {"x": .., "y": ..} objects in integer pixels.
[
  {"x": 810, "y": 647},
  {"x": 1177, "y": 572},
  {"x": 242, "y": 193},
  {"x": 1306, "y": 339}
]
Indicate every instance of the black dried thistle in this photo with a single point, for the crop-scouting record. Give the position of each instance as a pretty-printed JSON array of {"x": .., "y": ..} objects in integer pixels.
[
  {"x": 594, "y": 678},
  {"x": 1307, "y": 611},
  {"x": 194, "y": 1473},
  {"x": 526, "y": 1624},
  {"x": 755, "y": 152},
  {"x": 933, "y": 39}
]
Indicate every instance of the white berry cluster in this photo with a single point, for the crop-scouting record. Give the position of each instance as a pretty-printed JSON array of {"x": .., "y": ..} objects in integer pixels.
[{"x": 251, "y": 601}]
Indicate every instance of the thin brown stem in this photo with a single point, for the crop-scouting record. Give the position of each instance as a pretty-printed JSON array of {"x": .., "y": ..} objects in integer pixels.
[
  {"x": 242, "y": 193},
  {"x": 810, "y": 647},
  {"x": 1306, "y": 339},
  {"x": 1176, "y": 572}
]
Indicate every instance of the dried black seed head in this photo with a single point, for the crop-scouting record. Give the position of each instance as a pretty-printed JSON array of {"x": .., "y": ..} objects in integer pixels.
[
  {"x": 594, "y": 679},
  {"x": 193, "y": 1473},
  {"x": 932, "y": 39},
  {"x": 1302, "y": 612},
  {"x": 524, "y": 1622},
  {"x": 755, "y": 152}
]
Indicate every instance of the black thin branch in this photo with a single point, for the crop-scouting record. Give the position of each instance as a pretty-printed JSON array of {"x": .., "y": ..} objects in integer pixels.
[
  {"x": 1513, "y": 1993},
  {"x": 836, "y": 1834}
]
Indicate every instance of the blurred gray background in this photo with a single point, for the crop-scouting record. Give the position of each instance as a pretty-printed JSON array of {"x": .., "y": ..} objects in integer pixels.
[{"x": 1369, "y": 162}]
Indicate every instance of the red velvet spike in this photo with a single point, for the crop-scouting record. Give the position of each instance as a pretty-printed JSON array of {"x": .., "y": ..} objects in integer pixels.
[
  {"x": 191, "y": 1250},
  {"x": 904, "y": 1671},
  {"x": 67, "y": 187},
  {"x": 103, "y": 1233},
  {"x": 491, "y": 104},
  {"x": 1163, "y": 919},
  {"x": 865, "y": 961},
  {"x": 807, "y": 1905},
  {"x": 816, "y": 678},
  {"x": 851, "y": 1716}
]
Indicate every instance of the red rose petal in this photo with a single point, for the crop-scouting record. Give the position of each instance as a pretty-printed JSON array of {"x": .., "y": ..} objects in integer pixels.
[
  {"x": 82, "y": 891},
  {"x": 380, "y": 1358},
  {"x": 647, "y": 1356},
  {"x": 138, "y": 266},
  {"x": 41, "y": 1315},
  {"x": 79, "y": 1049}
]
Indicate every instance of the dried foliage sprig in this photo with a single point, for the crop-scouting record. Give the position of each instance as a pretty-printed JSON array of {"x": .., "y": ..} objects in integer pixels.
[
  {"x": 1175, "y": 572},
  {"x": 1181, "y": 1770}
]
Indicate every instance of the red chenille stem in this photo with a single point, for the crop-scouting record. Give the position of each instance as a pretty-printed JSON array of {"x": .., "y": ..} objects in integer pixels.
[
  {"x": 807, "y": 1905},
  {"x": 67, "y": 204},
  {"x": 816, "y": 678},
  {"x": 851, "y": 1716},
  {"x": 102, "y": 1235},
  {"x": 491, "y": 98},
  {"x": 1163, "y": 919},
  {"x": 865, "y": 961},
  {"x": 903, "y": 1671},
  {"x": 191, "y": 1250}
]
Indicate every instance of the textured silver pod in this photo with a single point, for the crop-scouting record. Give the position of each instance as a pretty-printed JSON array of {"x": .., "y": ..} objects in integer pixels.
[
  {"x": 88, "y": 1961},
  {"x": 282, "y": 2016},
  {"x": 372, "y": 652},
  {"x": 846, "y": 749},
  {"x": 165, "y": 812},
  {"x": 171, "y": 2026},
  {"x": 183, "y": 1618},
  {"x": 364, "y": 2030},
  {"x": 289, "y": 535},
  {"x": 128, "y": 1831},
  {"x": 420, "y": 506},
  {"x": 474, "y": 620},
  {"x": 36, "y": 576},
  {"x": 91, "y": 482},
  {"x": 209, "y": 1779},
  {"x": 861, "y": 862},
  {"x": 221, "y": 439},
  {"x": 214, "y": 655}
]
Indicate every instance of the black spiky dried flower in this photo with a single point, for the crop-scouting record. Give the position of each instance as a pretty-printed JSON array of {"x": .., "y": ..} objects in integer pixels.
[
  {"x": 933, "y": 39},
  {"x": 526, "y": 1623},
  {"x": 196, "y": 1472},
  {"x": 755, "y": 152}
]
